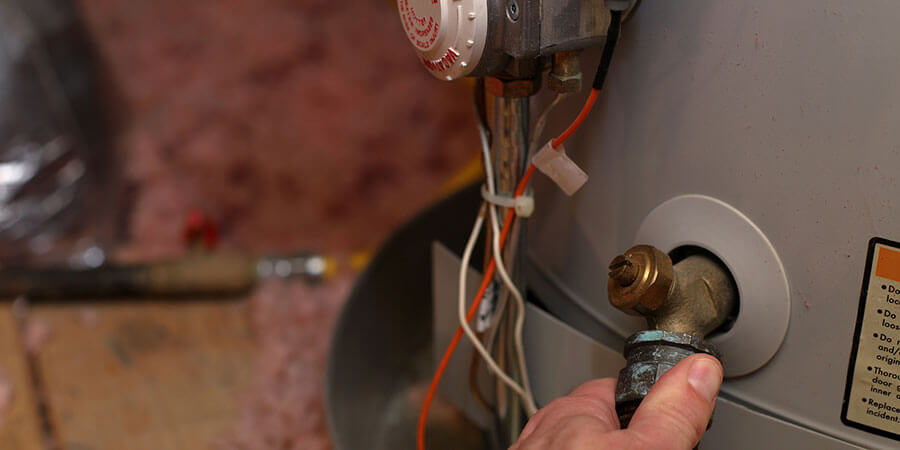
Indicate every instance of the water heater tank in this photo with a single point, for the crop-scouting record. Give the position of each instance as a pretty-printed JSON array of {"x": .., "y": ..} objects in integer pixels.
[
  {"x": 763, "y": 133},
  {"x": 766, "y": 133}
]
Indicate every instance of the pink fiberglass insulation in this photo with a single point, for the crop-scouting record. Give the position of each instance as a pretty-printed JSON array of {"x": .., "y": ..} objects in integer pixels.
[
  {"x": 284, "y": 408},
  {"x": 294, "y": 124}
]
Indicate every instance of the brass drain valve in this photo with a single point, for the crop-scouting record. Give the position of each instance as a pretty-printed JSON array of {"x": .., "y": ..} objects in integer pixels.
[{"x": 683, "y": 303}]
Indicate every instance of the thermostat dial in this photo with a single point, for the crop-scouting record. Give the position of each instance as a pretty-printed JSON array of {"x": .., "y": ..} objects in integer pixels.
[{"x": 448, "y": 35}]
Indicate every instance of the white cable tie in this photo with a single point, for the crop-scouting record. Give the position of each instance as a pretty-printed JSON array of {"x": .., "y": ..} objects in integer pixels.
[{"x": 523, "y": 204}]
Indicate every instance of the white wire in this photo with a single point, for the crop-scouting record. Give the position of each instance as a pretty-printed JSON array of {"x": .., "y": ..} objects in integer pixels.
[
  {"x": 530, "y": 406},
  {"x": 486, "y": 154},
  {"x": 528, "y": 397},
  {"x": 542, "y": 123},
  {"x": 463, "y": 269}
]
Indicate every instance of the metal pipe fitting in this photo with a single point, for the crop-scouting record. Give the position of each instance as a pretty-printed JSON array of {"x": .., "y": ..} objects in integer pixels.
[
  {"x": 650, "y": 354},
  {"x": 515, "y": 88},
  {"x": 694, "y": 297},
  {"x": 565, "y": 76},
  {"x": 195, "y": 275},
  {"x": 640, "y": 280},
  {"x": 683, "y": 303}
]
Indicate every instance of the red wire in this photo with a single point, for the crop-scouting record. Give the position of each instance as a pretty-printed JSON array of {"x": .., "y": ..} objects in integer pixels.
[
  {"x": 485, "y": 281},
  {"x": 577, "y": 123}
]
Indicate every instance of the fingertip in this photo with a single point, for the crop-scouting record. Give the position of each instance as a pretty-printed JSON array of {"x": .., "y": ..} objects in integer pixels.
[
  {"x": 680, "y": 404},
  {"x": 705, "y": 376}
]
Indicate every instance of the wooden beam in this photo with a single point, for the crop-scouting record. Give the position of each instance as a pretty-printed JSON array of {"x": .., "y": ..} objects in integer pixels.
[
  {"x": 148, "y": 375},
  {"x": 20, "y": 425}
]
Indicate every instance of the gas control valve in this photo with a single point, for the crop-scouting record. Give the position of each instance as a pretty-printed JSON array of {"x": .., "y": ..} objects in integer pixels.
[{"x": 506, "y": 38}]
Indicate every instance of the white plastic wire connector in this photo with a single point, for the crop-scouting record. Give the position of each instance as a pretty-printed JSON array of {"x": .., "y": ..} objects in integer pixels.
[
  {"x": 523, "y": 205},
  {"x": 486, "y": 309},
  {"x": 555, "y": 163}
]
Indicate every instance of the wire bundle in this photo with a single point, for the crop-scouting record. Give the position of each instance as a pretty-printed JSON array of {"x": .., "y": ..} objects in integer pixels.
[
  {"x": 499, "y": 237},
  {"x": 524, "y": 390}
]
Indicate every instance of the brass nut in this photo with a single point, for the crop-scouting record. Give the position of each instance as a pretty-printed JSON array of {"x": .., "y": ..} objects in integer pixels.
[
  {"x": 512, "y": 88},
  {"x": 565, "y": 75},
  {"x": 652, "y": 283},
  {"x": 564, "y": 84}
]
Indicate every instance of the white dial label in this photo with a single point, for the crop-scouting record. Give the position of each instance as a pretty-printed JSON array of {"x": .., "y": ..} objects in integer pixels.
[
  {"x": 422, "y": 21},
  {"x": 448, "y": 35}
]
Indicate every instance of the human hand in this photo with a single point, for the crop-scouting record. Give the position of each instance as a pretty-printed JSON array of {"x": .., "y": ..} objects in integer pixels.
[{"x": 674, "y": 415}]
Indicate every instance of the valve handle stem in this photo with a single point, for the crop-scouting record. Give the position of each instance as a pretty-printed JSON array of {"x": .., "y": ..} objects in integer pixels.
[{"x": 623, "y": 270}]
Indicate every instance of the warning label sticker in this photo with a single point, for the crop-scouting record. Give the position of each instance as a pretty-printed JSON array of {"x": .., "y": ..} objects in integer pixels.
[{"x": 872, "y": 394}]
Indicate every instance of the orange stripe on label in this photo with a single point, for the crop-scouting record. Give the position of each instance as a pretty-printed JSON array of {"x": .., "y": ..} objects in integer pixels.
[{"x": 888, "y": 264}]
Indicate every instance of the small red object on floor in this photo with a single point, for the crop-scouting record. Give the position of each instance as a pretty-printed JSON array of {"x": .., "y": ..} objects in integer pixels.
[{"x": 200, "y": 229}]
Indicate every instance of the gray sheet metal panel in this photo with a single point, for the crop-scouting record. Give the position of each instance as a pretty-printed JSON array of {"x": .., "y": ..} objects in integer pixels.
[
  {"x": 736, "y": 427},
  {"x": 786, "y": 111},
  {"x": 455, "y": 382},
  {"x": 379, "y": 360},
  {"x": 550, "y": 345},
  {"x": 555, "y": 373}
]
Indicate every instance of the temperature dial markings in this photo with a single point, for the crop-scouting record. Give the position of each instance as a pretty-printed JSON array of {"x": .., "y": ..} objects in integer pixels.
[
  {"x": 443, "y": 63},
  {"x": 422, "y": 30}
]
